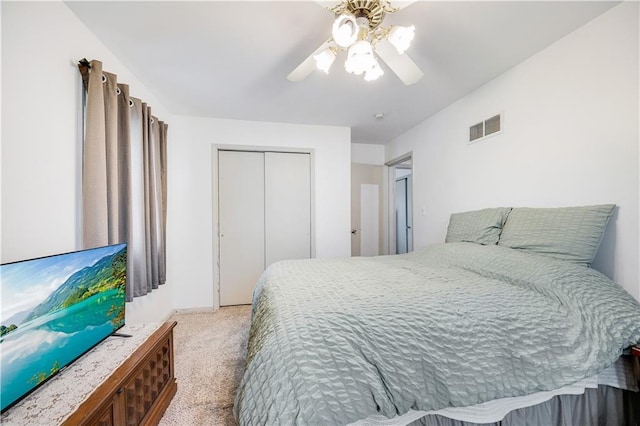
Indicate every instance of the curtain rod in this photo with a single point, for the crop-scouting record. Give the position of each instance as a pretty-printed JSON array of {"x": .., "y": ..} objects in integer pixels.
[{"x": 84, "y": 66}]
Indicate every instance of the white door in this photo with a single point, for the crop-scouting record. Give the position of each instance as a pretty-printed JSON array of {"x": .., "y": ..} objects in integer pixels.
[
  {"x": 366, "y": 209},
  {"x": 369, "y": 220},
  {"x": 409, "y": 214},
  {"x": 404, "y": 216},
  {"x": 288, "y": 206},
  {"x": 264, "y": 213},
  {"x": 241, "y": 224},
  {"x": 401, "y": 216}
]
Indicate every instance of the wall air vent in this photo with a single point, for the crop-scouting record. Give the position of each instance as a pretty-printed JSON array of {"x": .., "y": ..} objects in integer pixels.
[
  {"x": 476, "y": 131},
  {"x": 486, "y": 128}
]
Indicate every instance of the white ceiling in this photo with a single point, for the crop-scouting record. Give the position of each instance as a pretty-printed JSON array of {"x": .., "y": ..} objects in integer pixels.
[{"x": 230, "y": 59}]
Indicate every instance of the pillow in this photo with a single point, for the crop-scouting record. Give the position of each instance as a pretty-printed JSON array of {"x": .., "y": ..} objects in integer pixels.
[
  {"x": 479, "y": 226},
  {"x": 568, "y": 233}
]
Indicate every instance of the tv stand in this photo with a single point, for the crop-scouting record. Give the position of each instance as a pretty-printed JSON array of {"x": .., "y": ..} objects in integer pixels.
[
  {"x": 120, "y": 382},
  {"x": 139, "y": 391}
]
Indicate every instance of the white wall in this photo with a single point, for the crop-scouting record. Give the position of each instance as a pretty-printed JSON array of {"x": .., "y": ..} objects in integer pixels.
[
  {"x": 363, "y": 153},
  {"x": 570, "y": 138},
  {"x": 41, "y": 164},
  {"x": 192, "y": 219},
  {"x": 41, "y": 134}
]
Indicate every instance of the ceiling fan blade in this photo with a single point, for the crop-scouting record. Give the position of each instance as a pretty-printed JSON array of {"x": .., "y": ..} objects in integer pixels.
[
  {"x": 307, "y": 66},
  {"x": 402, "y": 65},
  {"x": 402, "y": 4},
  {"x": 329, "y": 4}
]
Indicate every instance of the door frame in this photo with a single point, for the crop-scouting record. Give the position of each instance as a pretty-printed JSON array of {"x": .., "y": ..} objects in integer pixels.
[
  {"x": 391, "y": 197},
  {"x": 215, "y": 237}
]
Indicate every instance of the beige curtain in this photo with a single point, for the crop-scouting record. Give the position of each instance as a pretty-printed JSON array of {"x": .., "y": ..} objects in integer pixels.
[{"x": 124, "y": 178}]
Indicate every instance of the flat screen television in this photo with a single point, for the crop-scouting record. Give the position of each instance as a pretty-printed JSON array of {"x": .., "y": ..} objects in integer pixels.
[{"x": 53, "y": 310}]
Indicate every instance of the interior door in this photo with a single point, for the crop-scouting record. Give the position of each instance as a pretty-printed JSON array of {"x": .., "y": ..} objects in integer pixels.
[
  {"x": 241, "y": 224},
  {"x": 288, "y": 206},
  {"x": 409, "y": 196},
  {"x": 369, "y": 219},
  {"x": 366, "y": 209},
  {"x": 401, "y": 216}
]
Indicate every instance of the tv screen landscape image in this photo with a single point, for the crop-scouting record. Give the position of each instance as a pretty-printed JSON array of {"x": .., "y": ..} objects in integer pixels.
[{"x": 53, "y": 310}]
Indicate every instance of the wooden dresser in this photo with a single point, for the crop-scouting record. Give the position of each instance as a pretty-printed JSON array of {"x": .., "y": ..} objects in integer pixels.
[
  {"x": 122, "y": 381},
  {"x": 139, "y": 391}
]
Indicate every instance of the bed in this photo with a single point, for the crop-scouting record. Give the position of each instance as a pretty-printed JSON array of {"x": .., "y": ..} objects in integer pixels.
[{"x": 506, "y": 309}]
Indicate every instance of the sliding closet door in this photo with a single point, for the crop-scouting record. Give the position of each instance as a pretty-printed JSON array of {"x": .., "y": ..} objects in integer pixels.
[
  {"x": 241, "y": 224},
  {"x": 287, "y": 206}
]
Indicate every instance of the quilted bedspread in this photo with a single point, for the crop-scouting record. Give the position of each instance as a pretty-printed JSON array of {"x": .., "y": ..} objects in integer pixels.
[{"x": 333, "y": 341}]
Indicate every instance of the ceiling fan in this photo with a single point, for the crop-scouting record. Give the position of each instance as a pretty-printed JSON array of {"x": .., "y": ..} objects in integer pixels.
[{"x": 358, "y": 30}]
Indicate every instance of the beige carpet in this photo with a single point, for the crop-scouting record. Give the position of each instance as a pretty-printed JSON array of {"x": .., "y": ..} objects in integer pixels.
[{"x": 210, "y": 351}]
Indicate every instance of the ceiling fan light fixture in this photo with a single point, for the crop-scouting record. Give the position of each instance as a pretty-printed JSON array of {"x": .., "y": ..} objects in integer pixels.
[
  {"x": 325, "y": 59},
  {"x": 357, "y": 29},
  {"x": 373, "y": 73},
  {"x": 360, "y": 58},
  {"x": 401, "y": 37},
  {"x": 345, "y": 30}
]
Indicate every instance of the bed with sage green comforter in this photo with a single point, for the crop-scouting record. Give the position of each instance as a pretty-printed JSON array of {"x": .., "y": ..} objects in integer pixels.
[{"x": 333, "y": 341}]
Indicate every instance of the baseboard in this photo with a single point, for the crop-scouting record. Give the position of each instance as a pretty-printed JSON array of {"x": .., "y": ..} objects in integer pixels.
[{"x": 192, "y": 311}]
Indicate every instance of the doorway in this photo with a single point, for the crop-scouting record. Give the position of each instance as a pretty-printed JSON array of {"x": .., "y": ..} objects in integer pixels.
[
  {"x": 404, "y": 240},
  {"x": 367, "y": 208},
  {"x": 400, "y": 205}
]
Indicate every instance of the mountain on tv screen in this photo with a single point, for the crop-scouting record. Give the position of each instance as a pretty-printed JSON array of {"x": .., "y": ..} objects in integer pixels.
[{"x": 53, "y": 310}]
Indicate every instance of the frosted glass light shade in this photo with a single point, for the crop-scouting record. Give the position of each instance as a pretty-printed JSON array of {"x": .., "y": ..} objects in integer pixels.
[
  {"x": 325, "y": 59},
  {"x": 373, "y": 73},
  {"x": 360, "y": 58},
  {"x": 401, "y": 37},
  {"x": 345, "y": 30}
]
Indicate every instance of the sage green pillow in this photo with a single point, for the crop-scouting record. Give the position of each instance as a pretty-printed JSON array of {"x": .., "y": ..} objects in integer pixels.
[
  {"x": 568, "y": 233},
  {"x": 478, "y": 226}
]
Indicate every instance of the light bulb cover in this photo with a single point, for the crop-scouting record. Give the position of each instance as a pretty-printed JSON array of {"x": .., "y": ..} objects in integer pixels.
[
  {"x": 325, "y": 59},
  {"x": 360, "y": 58},
  {"x": 401, "y": 37},
  {"x": 345, "y": 30},
  {"x": 374, "y": 72}
]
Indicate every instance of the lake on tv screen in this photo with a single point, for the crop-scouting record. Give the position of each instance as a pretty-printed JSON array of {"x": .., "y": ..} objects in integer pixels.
[{"x": 79, "y": 313}]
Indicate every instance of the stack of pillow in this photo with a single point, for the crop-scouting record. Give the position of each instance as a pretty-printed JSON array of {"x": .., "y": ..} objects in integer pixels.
[{"x": 568, "y": 233}]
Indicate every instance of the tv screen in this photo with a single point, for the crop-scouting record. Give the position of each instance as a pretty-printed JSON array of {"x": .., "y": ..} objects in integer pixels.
[{"x": 53, "y": 310}]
